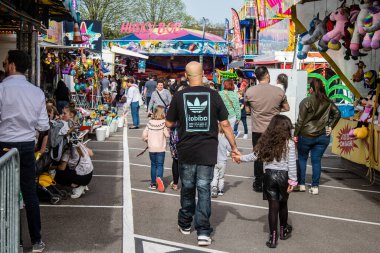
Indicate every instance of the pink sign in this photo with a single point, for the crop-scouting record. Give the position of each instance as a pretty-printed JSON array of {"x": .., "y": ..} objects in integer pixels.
[
  {"x": 237, "y": 34},
  {"x": 148, "y": 27}
]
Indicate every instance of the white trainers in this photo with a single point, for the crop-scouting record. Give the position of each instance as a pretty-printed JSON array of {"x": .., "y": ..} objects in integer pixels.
[
  {"x": 245, "y": 136},
  {"x": 314, "y": 190},
  {"x": 302, "y": 188},
  {"x": 185, "y": 231},
  {"x": 238, "y": 134},
  {"x": 38, "y": 247},
  {"x": 77, "y": 192},
  {"x": 86, "y": 188},
  {"x": 204, "y": 240}
]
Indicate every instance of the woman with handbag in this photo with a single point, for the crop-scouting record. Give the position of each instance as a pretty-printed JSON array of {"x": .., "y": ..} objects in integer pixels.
[
  {"x": 231, "y": 101},
  {"x": 160, "y": 96}
]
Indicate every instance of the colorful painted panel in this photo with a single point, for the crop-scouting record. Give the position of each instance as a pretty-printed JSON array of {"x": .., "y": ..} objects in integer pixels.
[{"x": 170, "y": 47}]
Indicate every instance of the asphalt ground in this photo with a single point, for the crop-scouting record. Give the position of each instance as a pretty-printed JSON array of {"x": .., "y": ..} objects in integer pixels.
[{"x": 120, "y": 213}]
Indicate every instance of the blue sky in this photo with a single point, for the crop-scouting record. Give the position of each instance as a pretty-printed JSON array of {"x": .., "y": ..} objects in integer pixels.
[{"x": 215, "y": 10}]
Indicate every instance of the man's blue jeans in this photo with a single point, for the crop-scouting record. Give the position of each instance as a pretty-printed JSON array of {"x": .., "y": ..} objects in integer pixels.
[
  {"x": 196, "y": 177},
  {"x": 135, "y": 113},
  {"x": 157, "y": 165},
  {"x": 28, "y": 186},
  {"x": 316, "y": 146}
]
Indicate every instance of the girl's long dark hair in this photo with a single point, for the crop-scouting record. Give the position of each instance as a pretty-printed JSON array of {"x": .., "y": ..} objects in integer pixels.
[
  {"x": 319, "y": 90},
  {"x": 273, "y": 144}
]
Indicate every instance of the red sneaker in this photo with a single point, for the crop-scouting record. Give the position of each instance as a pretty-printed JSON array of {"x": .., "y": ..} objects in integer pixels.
[{"x": 160, "y": 185}]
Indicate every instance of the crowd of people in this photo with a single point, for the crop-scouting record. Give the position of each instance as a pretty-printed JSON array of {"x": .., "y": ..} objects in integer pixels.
[
  {"x": 198, "y": 119},
  {"x": 46, "y": 134},
  {"x": 202, "y": 127}
]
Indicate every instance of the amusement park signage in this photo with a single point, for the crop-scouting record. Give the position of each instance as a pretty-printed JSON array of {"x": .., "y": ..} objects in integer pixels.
[
  {"x": 148, "y": 27},
  {"x": 237, "y": 35}
]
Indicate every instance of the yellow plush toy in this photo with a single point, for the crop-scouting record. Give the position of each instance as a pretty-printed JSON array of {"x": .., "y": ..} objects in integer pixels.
[{"x": 361, "y": 133}]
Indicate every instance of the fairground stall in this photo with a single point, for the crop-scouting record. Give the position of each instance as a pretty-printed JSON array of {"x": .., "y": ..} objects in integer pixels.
[
  {"x": 169, "y": 47},
  {"x": 347, "y": 34},
  {"x": 22, "y": 21}
]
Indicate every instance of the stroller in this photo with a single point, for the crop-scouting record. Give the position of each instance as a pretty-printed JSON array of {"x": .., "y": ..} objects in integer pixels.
[{"x": 58, "y": 142}]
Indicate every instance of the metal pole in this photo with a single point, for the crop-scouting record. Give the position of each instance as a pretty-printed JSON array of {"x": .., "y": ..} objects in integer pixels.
[{"x": 203, "y": 41}]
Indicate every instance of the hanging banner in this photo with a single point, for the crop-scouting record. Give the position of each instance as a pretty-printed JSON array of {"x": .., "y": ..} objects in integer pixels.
[
  {"x": 238, "y": 44},
  {"x": 91, "y": 33},
  {"x": 226, "y": 29}
]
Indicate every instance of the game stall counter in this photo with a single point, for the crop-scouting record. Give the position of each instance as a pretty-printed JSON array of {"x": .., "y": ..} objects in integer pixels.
[{"x": 347, "y": 34}]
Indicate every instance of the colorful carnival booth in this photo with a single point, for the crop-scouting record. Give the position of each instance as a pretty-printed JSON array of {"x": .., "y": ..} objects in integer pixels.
[
  {"x": 347, "y": 34},
  {"x": 170, "y": 47}
]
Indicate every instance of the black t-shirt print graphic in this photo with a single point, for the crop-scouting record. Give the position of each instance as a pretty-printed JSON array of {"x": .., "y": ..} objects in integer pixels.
[{"x": 197, "y": 111}]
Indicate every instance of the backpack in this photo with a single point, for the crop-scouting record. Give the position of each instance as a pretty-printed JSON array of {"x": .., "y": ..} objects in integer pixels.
[{"x": 57, "y": 140}]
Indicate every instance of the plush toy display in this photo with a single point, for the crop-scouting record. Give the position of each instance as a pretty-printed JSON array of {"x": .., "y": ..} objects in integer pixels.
[
  {"x": 359, "y": 25},
  {"x": 340, "y": 16},
  {"x": 372, "y": 38},
  {"x": 370, "y": 79},
  {"x": 318, "y": 28}
]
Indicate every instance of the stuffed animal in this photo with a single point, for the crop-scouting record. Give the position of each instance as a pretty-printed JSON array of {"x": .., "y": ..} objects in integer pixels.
[
  {"x": 340, "y": 16},
  {"x": 303, "y": 49},
  {"x": 370, "y": 79},
  {"x": 318, "y": 28},
  {"x": 372, "y": 38},
  {"x": 359, "y": 74},
  {"x": 359, "y": 25},
  {"x": 349, "y": 30}
]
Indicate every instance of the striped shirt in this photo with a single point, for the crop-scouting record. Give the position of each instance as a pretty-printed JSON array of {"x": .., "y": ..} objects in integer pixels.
[{"x": 288, "y": 163}]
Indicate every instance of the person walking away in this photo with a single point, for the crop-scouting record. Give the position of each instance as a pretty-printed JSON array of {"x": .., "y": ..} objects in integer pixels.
[
  {"x": 318, "y": 115},
  {"x": 133, "y": 97},
  {"x": 23, "y": 111},
  {"x": 155, "y": 134},
  {"x": 160, "y": 96},
  {"x": 264, "y": 101},
  {"x": 62, "y": 96},
  {"x": 173, "y": 140},
  {"x": 198, "y": 110},
  {"x": 282, "y": 82},
  {"x": 217, "y": 184},
  {"x": 231, "y": 101},
  {"x": 280, "y": 173},
  {"x": 243, "y": 117},
  {"x": 150, "y": 87}
]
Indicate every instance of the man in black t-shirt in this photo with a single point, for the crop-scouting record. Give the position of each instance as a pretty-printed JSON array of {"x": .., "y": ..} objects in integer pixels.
[{"x": 197, "y": 109}]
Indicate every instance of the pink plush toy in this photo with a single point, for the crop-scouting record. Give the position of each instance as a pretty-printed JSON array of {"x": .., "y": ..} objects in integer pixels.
[
  {"x": 372, "y": 38},
  {"x": 341, "y": 17},
  {"x": 359, "y": 24}
]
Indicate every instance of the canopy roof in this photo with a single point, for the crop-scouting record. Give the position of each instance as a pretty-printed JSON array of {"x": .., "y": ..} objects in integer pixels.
[{"x": 184, "y": 35}]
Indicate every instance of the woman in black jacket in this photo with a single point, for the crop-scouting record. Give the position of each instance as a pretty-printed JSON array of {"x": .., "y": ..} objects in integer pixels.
[{"x": 318, "y": 115}]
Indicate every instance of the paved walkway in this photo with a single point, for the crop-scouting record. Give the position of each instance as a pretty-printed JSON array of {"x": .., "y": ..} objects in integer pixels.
[{"x": 345, "y": 216}]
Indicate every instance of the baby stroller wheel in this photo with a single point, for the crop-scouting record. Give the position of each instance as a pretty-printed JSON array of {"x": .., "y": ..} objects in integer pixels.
[
  {"x": 64, "y": 194},
  {"x": 55, "y": 199}
]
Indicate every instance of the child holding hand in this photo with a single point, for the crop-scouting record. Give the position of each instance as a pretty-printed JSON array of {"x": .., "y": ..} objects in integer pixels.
[{"x": 277, "y": 150}]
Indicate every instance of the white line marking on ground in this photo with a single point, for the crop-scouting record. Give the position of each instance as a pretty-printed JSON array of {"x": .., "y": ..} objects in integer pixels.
[
  {"x": 247, "y": 177},
  {"x": 106, "y": 141},
  {"x": 128, "y": 229},
  {"x": 263, "y": 207},
  {"x": 83, "y": 206},
  {"x": 117, "y": 176},
  {"x": 106, "y": 161},
  {"x": 107, "y": 150},
  {"x": 186, "y": 246}
]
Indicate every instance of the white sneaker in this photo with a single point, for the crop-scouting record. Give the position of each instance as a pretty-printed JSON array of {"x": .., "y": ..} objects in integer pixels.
[
  {"x": 204, "y": 240},
  {"x": 245, "y": 136},
  {"x": 314, "y": 190},
  {"x": 238, "y": 134},
  {"x": 77, "y": 192},
  {"x": 86, "y": 188},
  {"x": 299, "y": 188}
]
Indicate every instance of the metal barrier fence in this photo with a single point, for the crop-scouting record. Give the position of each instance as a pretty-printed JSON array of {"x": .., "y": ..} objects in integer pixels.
[{"x": 10, "y": 202}]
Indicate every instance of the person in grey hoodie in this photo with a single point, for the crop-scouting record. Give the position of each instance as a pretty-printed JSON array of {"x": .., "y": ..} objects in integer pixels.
[{"x": 160, "y": 96}]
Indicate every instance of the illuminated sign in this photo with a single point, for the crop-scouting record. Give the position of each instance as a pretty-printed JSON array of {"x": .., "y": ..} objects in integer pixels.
[{"x": 148, "y": 27}]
